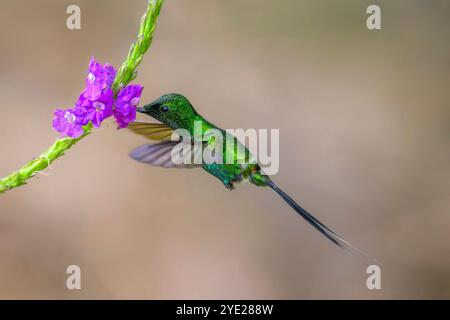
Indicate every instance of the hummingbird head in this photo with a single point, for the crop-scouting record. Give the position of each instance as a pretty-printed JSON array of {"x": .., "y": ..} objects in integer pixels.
[{"x": 171, "y": 109}]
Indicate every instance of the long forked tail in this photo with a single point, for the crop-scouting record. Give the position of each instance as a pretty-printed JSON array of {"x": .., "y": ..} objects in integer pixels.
[{"x": 333, "y": 237}]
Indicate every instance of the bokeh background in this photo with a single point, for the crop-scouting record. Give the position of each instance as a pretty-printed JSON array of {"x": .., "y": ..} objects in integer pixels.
[{"x": 364, "y": 126}]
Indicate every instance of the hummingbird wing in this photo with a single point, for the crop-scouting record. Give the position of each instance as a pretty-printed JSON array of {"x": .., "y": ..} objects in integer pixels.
[
  {"x": 152, "y": 131},
  {"x": 169, "y": 154}
]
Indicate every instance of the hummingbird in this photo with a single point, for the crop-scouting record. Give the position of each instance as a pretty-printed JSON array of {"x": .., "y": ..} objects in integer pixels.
[{"x": 175, "y": 112}]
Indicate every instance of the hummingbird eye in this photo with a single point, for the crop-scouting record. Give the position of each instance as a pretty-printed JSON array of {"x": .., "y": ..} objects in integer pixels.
[{"x": 164, "y": 109}]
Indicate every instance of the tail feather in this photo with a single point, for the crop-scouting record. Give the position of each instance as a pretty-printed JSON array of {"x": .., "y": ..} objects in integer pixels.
[{"x": 329, "y": 234}]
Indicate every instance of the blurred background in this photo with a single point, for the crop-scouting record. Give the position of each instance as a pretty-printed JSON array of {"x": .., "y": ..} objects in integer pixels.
[{"x": 364, "y": 129}]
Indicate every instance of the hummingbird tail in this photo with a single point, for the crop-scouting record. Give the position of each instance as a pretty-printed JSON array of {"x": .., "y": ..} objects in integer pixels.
[{"x": 333, "y": 237}]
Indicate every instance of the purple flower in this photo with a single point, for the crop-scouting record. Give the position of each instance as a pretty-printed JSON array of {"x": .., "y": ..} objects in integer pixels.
[
  {"x": 97, "y": 110},
  {"x": 126, "y": 102},
  {"x": 68, "y": 123},
  {"x": 96, "y": 102},
  {"x": 100, "y": 77}
]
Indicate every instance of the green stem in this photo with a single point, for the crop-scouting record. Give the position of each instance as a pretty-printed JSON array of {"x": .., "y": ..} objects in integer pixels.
[{"x": 125, "y": 74}]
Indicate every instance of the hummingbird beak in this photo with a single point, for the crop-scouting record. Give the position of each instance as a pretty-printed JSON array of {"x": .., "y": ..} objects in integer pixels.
[{"x": 140, "y": 109}]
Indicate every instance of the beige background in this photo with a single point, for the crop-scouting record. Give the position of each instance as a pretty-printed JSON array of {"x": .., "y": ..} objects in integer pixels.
[{"x": 364, "y": 124}]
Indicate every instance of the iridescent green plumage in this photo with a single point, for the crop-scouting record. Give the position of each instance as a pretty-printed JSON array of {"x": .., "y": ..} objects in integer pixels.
[
  {"x": 177, "y": 113},
  {"x": 181, "y": 115}
]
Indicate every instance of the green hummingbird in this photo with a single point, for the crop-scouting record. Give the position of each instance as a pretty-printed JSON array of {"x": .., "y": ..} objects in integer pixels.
[{"x": 175, "y": 112}]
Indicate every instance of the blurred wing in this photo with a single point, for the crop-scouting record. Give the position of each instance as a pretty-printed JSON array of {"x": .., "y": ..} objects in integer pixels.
[
  {"x": 160, "y": 154},
  {"x": 152, "y": 131}
]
